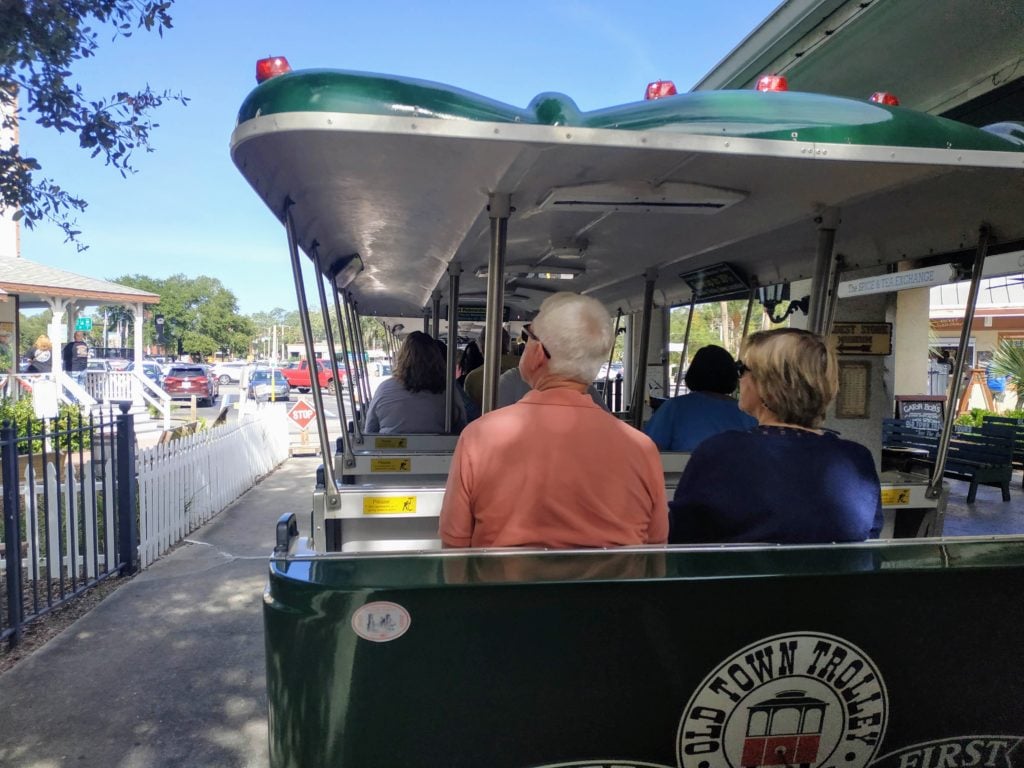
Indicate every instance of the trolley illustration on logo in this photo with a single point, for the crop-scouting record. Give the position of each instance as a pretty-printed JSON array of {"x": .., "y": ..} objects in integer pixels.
[{"x": 784, "y": 730}]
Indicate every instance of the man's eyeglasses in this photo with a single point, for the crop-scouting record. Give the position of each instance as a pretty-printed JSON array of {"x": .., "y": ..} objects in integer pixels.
[
  {"x": 741, "y": 368},
  {"x": 529, "y": 335}
]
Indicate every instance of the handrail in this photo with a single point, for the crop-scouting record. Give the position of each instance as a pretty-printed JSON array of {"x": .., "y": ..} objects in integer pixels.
[{"x": 159, "y": 399}]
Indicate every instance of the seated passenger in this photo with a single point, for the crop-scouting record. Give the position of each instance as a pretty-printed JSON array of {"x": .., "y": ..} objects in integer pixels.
[
  {"x": 413, "y": 399},
  {"x": 470, "y": 359},
  {"x": 512, "y": 388},
  {"x": 681, "y": 423},
  {"x": 786, "y": 481},
  {"x": 474, "y": 383},
  {"x": 554, "y": 469}
]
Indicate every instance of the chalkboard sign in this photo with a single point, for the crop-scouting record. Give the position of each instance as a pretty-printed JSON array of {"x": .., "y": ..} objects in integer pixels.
[{"x": 923, "y": 413}]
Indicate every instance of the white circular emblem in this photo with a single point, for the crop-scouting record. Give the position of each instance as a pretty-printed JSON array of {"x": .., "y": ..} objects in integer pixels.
[
  {"x": 801, "y": 699},
  {"x": 381, "y": 621}
]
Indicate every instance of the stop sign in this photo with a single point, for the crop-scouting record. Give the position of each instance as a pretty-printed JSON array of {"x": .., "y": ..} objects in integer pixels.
[{"x": 302, "y": 413}]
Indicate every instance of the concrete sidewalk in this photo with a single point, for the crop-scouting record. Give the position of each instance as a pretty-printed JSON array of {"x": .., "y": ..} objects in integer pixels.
[{"x": 169, "y": 669}]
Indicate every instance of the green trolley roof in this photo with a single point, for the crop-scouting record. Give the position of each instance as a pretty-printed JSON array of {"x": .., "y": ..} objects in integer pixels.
[{"x": 400, "y": 171}]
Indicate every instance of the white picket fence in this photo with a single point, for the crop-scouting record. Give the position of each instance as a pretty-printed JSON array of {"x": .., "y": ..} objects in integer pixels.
[
  {"x": 184, "y": 483},
  {"x": 69, "y": 528}
]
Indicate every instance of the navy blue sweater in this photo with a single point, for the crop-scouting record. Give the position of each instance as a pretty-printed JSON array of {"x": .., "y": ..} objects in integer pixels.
[{"x": 777, "y": 485}]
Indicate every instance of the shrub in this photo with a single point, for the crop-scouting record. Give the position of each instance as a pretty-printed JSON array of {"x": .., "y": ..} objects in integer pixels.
[{"x": 69, "y": 420}]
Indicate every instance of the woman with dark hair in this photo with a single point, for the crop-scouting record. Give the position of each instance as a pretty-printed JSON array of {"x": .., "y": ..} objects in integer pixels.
[
  {"x": 471, "y": 359},
  {"x": 788, "y": 481},
  {"x": 413, "y": 399},
  {"x": 682, "y": 423}
]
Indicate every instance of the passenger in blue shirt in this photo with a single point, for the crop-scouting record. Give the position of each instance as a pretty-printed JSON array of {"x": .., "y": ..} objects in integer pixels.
[
  {"x": 787, "y": 481},
  {"x": 682, "y": 423}
]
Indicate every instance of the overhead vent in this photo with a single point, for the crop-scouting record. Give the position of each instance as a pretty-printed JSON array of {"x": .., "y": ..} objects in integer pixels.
[{"x": 641, "y": 197}]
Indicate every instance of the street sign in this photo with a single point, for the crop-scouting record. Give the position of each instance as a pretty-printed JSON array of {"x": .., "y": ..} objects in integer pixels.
[
  {"x": 718, "y": 281},
  {"x": 83, "y": 324},
  {"x": 302, "y": 413}
]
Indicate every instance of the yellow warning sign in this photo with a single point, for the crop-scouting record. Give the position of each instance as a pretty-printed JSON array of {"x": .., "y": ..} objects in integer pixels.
[
  {"x": 389, "y": 505},
  {"x": 894, "y": 496},
  {"x": 391, "y": 442},
  {"x": 403, "y": 464}
]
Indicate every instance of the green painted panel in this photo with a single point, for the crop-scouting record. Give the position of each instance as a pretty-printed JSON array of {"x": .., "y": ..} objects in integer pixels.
[
  {"x": 625, "y": 659},
  {"x": 786, "y": 116}
]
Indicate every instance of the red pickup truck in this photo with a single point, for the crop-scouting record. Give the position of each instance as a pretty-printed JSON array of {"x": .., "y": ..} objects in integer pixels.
[{"x": 298, "y": 375}]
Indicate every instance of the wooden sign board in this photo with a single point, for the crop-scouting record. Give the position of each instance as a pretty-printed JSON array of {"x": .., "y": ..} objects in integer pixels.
[
  {"x": 923, "y": 413},
  {"x": 863, "y": 338}
]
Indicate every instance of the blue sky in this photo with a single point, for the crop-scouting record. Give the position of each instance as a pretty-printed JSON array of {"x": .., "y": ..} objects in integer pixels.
[{"x": 188, "y": 210}]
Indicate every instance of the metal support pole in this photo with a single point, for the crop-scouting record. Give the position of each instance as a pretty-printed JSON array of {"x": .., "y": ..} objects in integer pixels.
[
  {"x": 359, "y": 350},
  {"x": 833, "y": 294},
  {"x": 498, "y": 210},
  {"x": 350, "y": 383},
  {"x": 750, "y": 307},
  {"x": 426, "y": 323},
  {"x": 339, "y": 398},
  {"x": 636, "y": 406},
  {"x": 935, "y": 484},
  {"x": 435, "y": 316},
  {"x": 454, "y": 270},
  {"x": 12, "y": 525},
  {"x": 127, "y": 528},
  {"x": 330, "y": 488},
  {"x": 827, "y": 222},
  {"x": 611, "y": 353},
  {"x": 686, "y": 342}
]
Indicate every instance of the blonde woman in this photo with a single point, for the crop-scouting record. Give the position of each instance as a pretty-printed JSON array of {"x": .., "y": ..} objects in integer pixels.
[
  {"x": 40, "y": 357},
  {"x": 787, "y": 480}
]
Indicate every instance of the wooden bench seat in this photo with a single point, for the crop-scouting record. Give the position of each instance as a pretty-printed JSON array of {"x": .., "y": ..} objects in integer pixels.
[{"x": 981, "y": 458}]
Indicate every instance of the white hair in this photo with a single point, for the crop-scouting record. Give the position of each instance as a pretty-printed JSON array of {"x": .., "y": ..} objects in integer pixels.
[{"x": 577, "y": 331}]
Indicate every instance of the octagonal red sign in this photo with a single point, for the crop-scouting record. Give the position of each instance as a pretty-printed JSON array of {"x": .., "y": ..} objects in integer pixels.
[{"x": 302, "y": 413}]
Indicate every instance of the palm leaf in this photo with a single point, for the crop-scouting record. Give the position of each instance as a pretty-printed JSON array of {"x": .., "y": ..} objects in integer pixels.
[{"x": 1008, "y": 361}]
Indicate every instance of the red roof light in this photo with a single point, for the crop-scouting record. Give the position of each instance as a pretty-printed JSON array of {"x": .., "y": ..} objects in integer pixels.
[
  {"x": 884, "y": 97},
  {"x": 271, "y": 67},
  {"x": 772, "y": 83},
  {"x": 659, "y": 89}
]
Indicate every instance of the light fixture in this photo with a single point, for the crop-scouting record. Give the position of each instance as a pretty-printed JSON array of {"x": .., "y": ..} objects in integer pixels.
[
  {"x": 343, "y": 270},
  {"x": 884, "y": 97},
  {"x": 659, "y": 89},
  {"x": 771, "y": 296},
  {"x": 767, "y": 83},
  {"x": 641, "y": 197},
  {"x": 272, "y": 66},
  {"x": 537, "y": 272}
]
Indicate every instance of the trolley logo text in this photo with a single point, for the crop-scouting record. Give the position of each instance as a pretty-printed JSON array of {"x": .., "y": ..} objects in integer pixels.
[{"x": 800, "y": 699}]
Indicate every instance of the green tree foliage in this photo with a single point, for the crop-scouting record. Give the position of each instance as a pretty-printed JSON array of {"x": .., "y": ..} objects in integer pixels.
[
  {"x": 1008, "y": 361},
  {"x": 718, "y": 322},
  {"x": 200, "y": 311},
  {"x": 40, "y": 42}
]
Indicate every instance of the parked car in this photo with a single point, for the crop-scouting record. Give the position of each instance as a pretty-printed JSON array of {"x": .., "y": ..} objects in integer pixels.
[
  {"x": 265, "y": 384},
  {"x": 298, "y": 376},
  {"x": 229, "y": 372},
  {"x": 183, "y": 381},
  {"x": 118, "y": 363},
  {"x": 97, "y": 365},
  {"x": 150, "y": 370}
]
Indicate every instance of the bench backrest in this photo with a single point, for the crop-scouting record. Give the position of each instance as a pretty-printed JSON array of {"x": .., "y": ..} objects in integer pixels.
[{"x": 642, "y": 657}]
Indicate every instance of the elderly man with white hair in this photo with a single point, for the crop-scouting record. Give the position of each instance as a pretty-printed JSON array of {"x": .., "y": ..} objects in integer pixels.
[{"x": 555, "y": 469}]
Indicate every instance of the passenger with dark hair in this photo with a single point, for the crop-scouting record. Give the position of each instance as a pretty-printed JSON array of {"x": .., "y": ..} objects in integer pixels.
[
  {"x": 413, "y": 399},
  {"x": 471, "y": 359},
  {"x": 474, "y": 382},
  {"x": 682, "y": 423},
  {"x": 787, "y": 481}
]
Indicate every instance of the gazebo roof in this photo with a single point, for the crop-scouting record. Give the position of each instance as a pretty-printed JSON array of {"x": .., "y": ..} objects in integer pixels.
[{"x": 37, "y": 282}]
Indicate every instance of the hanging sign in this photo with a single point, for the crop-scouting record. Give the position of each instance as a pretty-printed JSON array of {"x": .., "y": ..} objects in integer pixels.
[
  {"x": 719, "y": 281},
  {"x": 862, "y": 338},
  {"x": 897, "y": 281}
]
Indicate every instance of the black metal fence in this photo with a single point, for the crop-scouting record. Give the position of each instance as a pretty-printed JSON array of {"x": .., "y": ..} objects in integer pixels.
[{"x": 69, "y": 511}]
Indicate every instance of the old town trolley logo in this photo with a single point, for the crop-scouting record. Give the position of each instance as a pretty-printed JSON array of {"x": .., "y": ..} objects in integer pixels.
[{"x": 801, "y": 699}]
